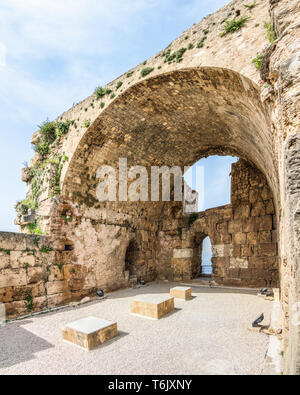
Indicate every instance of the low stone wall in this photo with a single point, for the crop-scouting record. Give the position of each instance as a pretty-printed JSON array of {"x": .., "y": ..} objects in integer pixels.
[{"x": 38, "y": 273}]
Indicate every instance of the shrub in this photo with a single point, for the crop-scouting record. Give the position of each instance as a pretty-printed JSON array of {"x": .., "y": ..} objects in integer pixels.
[
  {"x": 42, "y": 148},
  {"x": 55, "y": 181},
  {"x": 119, "y": 84},
  {"x": 191, "y": 46},
  {"x": 48, "y": 131},
  {"x": 86, "y": 124},
  {"x": 101, "y": 92},
  {"x": 102, "y": 104},
  {"x": 146, "y": 71},
  {"x": 234, "y": 25},
  {"x": 62, "y": 128},
  {"x": 130, "y": 74},
  {"x": 175, "y": 56},
  {"x": 201, "y": 42},
  {"x": 45, "y": 249},
  {"x": 29, "y": 302},
  {"x": 192, "y": 219},
  {"x": 34, "y": 228},
  {"x": 270, "y": 34},
  {"x": 257, "y": 61}
]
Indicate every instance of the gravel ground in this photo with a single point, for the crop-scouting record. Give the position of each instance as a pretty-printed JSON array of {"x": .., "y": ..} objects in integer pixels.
[{"x": 206, "y": 335}]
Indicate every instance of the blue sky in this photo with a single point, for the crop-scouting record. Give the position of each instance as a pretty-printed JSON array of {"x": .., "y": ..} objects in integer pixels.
[{"x": 54, "y": 53}]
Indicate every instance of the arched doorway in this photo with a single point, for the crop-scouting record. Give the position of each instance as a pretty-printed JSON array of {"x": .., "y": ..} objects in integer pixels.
[
  {"x": 202, "y": 255},
  {"x": 206, "y": 259},
  {"x": 173, "y": 119},
  {"x": 131, "y": 257}
]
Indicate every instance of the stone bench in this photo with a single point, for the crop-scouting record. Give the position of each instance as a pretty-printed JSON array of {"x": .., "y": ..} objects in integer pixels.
[
  {"x": 181, "y": 293},
  {"x": 152, "y": 306},
  {"x": 90, "y": 332}
]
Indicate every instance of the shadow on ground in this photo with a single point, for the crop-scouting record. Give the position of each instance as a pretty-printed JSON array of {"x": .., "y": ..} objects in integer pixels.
[{"x": 19, "y": 345}]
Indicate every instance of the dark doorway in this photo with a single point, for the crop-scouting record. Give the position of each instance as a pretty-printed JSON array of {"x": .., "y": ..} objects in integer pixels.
[{"x": 131, "y": 257}]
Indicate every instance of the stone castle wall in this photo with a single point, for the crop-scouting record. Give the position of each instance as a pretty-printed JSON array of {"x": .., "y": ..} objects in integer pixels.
[
  {"x": 243, "y": 236},
  {"x": 212, "y": 96},
  {"x": 37, "y": 273}
]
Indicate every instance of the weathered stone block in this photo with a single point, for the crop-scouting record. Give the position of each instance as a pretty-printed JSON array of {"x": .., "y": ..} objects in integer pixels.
[
  {"x": 9, "y": 277},
  {"x": 181, "y": 293},
  {"x": 90, "y": 332},
  {"x": 183, "y": 253},
  {"x": 4, "y": 260},
  {"x": 36, "y": 274},
  {"x": 240, "y": 263},
  {"x": 152, "y": 306},
  {"x": 239, "y": 238},
  {"x": 12, "y": 241},
  {"x": 56, "y": 287},
  {"x": 20, "y": 259}
]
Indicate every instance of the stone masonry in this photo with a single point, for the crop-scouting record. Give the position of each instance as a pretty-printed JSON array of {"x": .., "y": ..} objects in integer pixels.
[{"x": 207, "y": 93}]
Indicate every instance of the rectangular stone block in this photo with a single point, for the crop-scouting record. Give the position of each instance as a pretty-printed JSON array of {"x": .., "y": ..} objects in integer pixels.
[
  {"x": 181, "y": 293},
  {"x": 152, "y": 306},
  {"x": 90, "y": 332}
]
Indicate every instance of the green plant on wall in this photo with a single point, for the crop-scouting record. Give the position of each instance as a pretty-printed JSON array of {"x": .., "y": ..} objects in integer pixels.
[
  {"x": 257, "y": 61},
  {"x": 119, "y": 84},
  {"x": 233, "y": 25},
  {"x": 271, "y": 33},
  {"x": 29, "y": 301},
  {"x": 101, "y": 92},
  {"x": 192, "y": 219},
  {"x": 250, "y": 6},
  {"x": 179, "y": 232},
  {"x": 146, "y": 71},
  {"x": 55, "y": 181}
]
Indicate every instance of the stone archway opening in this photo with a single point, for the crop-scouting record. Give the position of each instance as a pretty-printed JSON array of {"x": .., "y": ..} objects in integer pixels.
[
  {"x": 206, "y": 258},
  {"x": 131, "y": 257},
  {"x": 202, "y": 255},
  {"x": 176, "y": 119}
]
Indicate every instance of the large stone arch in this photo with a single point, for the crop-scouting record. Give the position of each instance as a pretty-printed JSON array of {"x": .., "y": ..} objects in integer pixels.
[
  {"x": 173, "y": 119},
  {"x": 176, "y": 119}
]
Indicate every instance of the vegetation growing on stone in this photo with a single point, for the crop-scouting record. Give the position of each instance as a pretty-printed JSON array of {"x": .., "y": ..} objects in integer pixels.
[
  {"x": 175, "y": 56},
  {"x": 250, "y": 6},
  {"x": 29, "y": 301},
  {"x": 45, "y": 249},
  {"x": 257, "y": 61},
  {"x": 54, "y": 182},
  {"x": 86, "y": 123},
  {"x": 179, "y": 232},
  {"x": 201, "y": 42},
  {"x": 101, "y": 92},
  {"x": 192, "y": 219},
  {"x": 233, "y": 25},
  {"x": 102, "y": 104},
  {"x": 130, "y": 74},
  {"x": 49, "y": 132},
  {"x": 271, "y": 33},
  {"x": 146, "y": 71},
  {"x": 191, "y": 46},
  {"x": 34, "y": 228},
  {"x": 119, "y": 84}
]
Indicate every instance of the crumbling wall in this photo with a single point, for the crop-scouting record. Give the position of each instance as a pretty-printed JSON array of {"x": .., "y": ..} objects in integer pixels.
[
  {"x": 38, "y": 273},
  {"x": 243, "y": 236}
]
